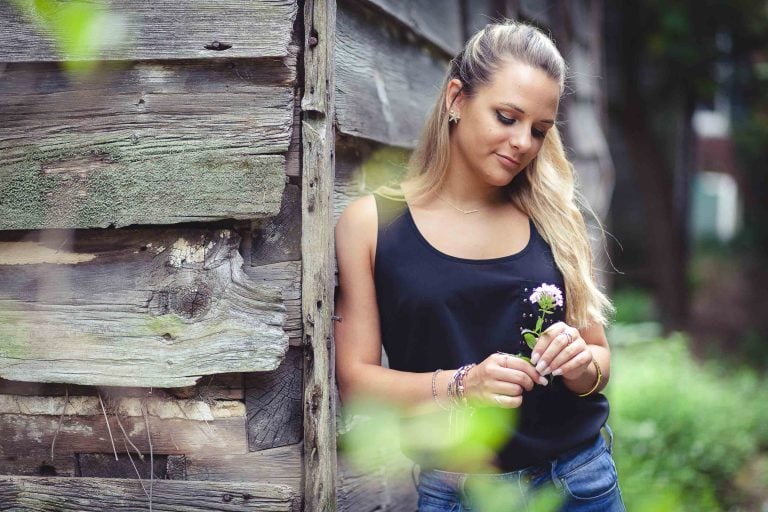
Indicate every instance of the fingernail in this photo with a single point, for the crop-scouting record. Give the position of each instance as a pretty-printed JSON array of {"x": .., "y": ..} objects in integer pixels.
[
  {"x": 543, "y": 381},
  {"x": 541, "y": 366},
  {"x": 535, "y": 357},
  {"x": 546, "y": 371},
  {"x": 557, "y": 372}
]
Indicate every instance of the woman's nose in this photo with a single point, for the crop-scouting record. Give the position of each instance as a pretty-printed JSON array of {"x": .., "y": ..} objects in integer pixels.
[{"x": 520, "y": 138}]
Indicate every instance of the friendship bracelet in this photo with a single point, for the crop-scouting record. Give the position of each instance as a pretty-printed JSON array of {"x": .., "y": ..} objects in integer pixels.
[
  {"x": 597, "y": 381},
  {"x": 434, "y": 391}
]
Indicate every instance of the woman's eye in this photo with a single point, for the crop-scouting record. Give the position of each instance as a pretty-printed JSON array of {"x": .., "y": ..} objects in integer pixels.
[
  {"x": 538, "y": 133},
  {"x": 504, "y": 119}
]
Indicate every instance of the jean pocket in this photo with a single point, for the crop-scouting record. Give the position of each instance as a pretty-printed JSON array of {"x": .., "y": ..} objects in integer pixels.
[
  {"x": 436, "y": 495},
  {"x": 431, "y": 504},
  {"x": 593, "y": 479}
]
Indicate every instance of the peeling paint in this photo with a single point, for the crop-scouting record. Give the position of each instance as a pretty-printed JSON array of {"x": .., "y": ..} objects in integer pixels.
[
  {"x": 183, "y": 253},
  {"x": 35, "y": 253}
]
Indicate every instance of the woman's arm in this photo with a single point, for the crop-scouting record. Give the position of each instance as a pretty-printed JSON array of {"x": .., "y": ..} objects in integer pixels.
[{"x": 358, "y": 335}]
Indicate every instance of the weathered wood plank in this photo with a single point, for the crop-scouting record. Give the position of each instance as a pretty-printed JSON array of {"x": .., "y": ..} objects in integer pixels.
[
  {"x": 150, "y": 143},
  {"x": 58, "y": 494},
  {"x": 280, "y": 465},
  {"x": 101, "y": 190},
  {"x": 278, "y": 238},
  {"x": 438, "y": 23},
  {"x": 318, "y": 137},
  {"x": 384, "y": 86},
  {"x": 133, "y": 308},
  {"x": 287, "y": 276},
  {"x": 223, "y": 386},
  {"x": 166, "y": 30},
  {"x": 103, "y": 465},
  {"x": 273, "y": 404},
  {"x": 26, "y": 435}
]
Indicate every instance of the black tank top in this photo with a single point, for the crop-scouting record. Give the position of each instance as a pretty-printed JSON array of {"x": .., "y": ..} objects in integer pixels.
[{"x": 442, "y": 311}]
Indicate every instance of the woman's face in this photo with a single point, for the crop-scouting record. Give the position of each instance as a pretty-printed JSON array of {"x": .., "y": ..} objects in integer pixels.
[{"x": 503, "y": 125}]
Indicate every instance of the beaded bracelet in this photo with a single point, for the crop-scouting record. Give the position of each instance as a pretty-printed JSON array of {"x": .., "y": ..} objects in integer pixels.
[{"x": 597, "y": 381}]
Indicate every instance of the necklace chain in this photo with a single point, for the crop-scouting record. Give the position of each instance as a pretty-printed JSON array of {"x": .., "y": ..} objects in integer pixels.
[{"x": 456, "y": 207}]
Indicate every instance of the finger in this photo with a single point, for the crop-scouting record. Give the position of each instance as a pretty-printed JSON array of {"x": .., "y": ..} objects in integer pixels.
[
  {"x": 507, "y": 388},
  {"x": 578, "y": 363},
  {"x": 508, "y": 402},
  {"x": 570, "y": 351},
  {"x": 545, "y": 340},
  {"x": 525, "y": 371},
  {"x": 555, "y": 347},
  {"x": 518, "y": 377}
]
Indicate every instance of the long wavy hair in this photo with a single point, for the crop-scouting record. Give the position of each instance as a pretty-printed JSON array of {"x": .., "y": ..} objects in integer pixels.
[{"x": 545, "y": 189}]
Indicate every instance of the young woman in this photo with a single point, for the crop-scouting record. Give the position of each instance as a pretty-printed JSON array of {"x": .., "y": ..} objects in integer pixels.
[{"x": 444, "y": 278}]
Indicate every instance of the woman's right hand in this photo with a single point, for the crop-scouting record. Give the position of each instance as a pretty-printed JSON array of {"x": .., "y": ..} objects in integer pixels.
[{"x": 500, "y": 380}]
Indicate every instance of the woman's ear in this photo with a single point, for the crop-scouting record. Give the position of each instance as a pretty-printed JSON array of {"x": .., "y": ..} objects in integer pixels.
[{"x": 453, "y": 96}]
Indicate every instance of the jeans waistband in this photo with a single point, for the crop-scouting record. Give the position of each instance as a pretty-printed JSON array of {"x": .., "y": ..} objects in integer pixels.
[{"x": 457, "y": 478}]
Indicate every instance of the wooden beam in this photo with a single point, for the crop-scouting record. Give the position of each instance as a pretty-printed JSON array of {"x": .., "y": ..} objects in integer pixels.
[
  {"x": 149, "y": 143},
  {"x": 440, "y": 26},
  {"x": 318, "y": 255},
  {"x": 385, "y": 85},
  {"x": 133, "y": 308},
  {"x": 282, "y": 465},
  {"x": 57, "y": 494},
  {"x": 165, "y": 29},
  {"x": 273, "y": 402}
]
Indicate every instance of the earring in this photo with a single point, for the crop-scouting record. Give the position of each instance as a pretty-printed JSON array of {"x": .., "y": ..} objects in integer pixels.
[{"x": 453, "y": 117}]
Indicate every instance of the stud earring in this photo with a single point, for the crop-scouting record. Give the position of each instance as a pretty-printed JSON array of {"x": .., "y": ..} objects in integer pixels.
[{"x": 453, "y": 117}]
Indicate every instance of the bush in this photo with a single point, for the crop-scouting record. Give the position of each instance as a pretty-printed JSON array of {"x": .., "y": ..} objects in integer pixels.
[{"x": 683, "y": 429}]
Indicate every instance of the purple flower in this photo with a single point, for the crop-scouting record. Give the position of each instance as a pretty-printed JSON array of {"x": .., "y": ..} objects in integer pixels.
[{"x": 547, "y": 293}]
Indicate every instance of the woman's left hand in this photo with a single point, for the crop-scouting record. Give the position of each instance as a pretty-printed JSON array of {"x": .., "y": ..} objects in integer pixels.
[{"x": 560, "y": 350}]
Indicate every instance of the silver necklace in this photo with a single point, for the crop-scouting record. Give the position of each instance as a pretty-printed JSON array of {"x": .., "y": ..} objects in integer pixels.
[{"x": 456, "y": 207}]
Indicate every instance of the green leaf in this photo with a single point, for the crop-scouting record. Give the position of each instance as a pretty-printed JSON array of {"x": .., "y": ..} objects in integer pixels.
[
  {"x": 530, "y": 339},
  {"x": 539, "y": 323}
]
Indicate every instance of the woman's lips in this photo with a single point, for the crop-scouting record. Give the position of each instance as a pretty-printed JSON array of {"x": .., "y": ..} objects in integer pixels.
[{"x": 507, "y": 161}]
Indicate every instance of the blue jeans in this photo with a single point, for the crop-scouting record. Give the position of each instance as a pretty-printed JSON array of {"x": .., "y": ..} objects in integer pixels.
[{"x": 585, "y": 480}]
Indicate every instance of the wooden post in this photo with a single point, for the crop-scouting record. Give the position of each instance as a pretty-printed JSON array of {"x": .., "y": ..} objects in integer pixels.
[{"x": 318, "y": 140}]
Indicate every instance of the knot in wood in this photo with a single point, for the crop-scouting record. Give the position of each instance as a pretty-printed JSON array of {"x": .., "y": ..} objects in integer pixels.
[
  {"x": 193, "y": 301},
  {"x": 312, "y": 41}
]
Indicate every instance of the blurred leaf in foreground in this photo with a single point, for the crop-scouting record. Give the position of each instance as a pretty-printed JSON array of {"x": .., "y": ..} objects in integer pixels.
[{"x": 81, "y": 30}]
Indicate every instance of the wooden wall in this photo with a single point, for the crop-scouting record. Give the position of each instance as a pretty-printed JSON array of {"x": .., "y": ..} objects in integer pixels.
[
  {"x": 151, "y": 243},
  {"x": 150, "y": 263}
]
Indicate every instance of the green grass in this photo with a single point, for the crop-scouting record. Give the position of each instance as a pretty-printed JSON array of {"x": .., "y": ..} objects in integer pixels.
[{"x": 683, "y": 429}]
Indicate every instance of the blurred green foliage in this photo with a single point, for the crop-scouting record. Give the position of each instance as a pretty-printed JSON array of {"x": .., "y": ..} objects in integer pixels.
[
  {"x": 633, "y": 305},
  {"x": 684, "y": 429},
  {"x": 81, "y": 30}
]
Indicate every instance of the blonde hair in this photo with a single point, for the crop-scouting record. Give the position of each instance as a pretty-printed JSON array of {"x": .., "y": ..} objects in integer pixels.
[{"x": 545, "y": 190}]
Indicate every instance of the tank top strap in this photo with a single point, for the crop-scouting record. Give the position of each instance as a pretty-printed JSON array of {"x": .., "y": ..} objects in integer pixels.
[{"x": 388, "y": 208}]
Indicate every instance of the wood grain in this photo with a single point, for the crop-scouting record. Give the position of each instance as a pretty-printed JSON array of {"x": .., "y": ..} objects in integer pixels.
[
  {"x": 384, "y": 85},
  {"x": 156, "y": 30},
  {"x": 318, "y": 138},
  {"x": 440, "y": 25},
  {"x": 148, "y": 143},
  {"x": 157, "y": 307},
  {"x": 56, "y": 494},
  {"x": 274, "y": 404}
]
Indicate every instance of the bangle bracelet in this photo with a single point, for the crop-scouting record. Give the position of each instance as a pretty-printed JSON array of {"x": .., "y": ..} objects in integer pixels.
[
  {"x": 597, "y": 381},
  {"x": 434, "y": 391}
]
